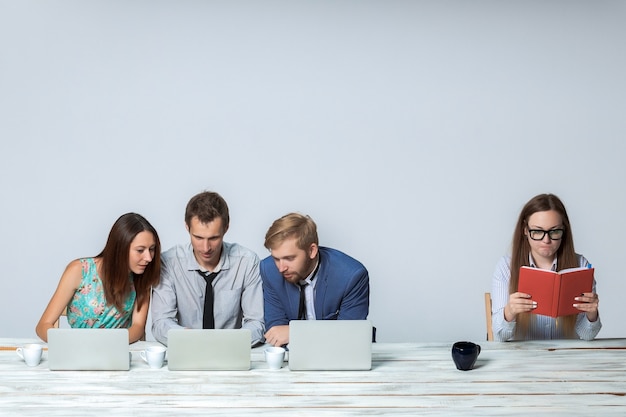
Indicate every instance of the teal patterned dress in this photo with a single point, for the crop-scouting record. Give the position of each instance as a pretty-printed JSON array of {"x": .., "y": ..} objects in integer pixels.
[{"x": 88, "y": 307}]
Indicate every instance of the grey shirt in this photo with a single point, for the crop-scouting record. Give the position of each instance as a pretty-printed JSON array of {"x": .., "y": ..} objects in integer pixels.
[{"x": 178, "y": 300}]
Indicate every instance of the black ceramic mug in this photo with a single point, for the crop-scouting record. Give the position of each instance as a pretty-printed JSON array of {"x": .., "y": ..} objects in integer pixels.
[{"x": 464, "y": 355}]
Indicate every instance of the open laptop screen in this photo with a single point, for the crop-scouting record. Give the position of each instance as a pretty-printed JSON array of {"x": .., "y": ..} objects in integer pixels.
[
  {"x": 208, "y": 349},
  {"x": 330, "y": 345},
  {"x": 88, "y": 350}
]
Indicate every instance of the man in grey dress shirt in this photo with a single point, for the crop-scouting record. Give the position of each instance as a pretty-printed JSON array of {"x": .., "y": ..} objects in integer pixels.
[{"x": 178, "y": 300}]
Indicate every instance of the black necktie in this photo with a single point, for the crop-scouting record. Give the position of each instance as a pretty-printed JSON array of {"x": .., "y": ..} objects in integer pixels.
[
  {"x": 208, "y": 320},
  {"x": 302, "y": 308}
]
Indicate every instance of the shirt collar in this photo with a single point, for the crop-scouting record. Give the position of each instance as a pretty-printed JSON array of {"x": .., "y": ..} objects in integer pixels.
[
  {"x": 309, "y": 278},
  {"x": 532, "y": 263},
  {"x": 193, "y": 265}
]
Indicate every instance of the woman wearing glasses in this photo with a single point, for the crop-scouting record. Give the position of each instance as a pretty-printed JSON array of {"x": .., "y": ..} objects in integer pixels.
[{"x": 542, "y": 239}]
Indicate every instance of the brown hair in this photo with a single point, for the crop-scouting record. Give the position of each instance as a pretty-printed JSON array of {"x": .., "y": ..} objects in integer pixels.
[
  {"x": 115, "y": 267},
  {"x": 207, "y": 206},
  {"x": 291, "y": 225},
  {"x": 566, "y": 256}
]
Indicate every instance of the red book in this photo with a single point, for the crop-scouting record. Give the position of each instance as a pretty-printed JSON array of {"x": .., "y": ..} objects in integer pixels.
[{"x": 554, "y": 292}]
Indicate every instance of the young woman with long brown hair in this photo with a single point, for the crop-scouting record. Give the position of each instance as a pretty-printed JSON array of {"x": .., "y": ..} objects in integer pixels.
[
  {"x": 111, "y": 289},
  {"x": 542, "y": 239}
]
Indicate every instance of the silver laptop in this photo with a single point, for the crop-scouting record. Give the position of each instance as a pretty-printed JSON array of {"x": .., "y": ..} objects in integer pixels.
[
  {"x": 208, "y": 349},
  {"x": 330, "y": 345},
  {"x": 88, "y": 350}
]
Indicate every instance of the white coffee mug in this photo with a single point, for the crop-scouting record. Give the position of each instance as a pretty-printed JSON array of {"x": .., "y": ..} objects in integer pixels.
[
  {"x": 31, "y": 353},
  {"x": 274, "y": 356},
  {"x": 154, "y": 356}
]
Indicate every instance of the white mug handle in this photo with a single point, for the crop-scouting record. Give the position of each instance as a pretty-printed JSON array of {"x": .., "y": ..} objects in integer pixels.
[
  {"x": 19, "y": 352},
  {"x": 143, "y": 355}
]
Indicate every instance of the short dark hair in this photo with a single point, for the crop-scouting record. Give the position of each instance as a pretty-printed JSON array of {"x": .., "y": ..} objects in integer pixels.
[{"x": 207, "y": 206}]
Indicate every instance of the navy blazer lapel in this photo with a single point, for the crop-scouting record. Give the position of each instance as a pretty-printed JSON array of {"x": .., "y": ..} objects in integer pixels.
[
  {"x": 293, "y": 295},
  {"x": 320, "y": 290}
]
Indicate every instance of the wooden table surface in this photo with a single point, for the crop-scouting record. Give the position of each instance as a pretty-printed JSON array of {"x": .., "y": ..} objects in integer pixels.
[{"x": 556, "y": 378}]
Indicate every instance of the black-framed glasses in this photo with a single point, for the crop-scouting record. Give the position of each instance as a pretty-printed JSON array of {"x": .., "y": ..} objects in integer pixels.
[{"x": 538, "y": 234}]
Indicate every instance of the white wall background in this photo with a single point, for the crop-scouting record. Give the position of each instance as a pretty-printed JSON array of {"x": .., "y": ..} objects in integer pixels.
[{"x": 411, "y": 131}]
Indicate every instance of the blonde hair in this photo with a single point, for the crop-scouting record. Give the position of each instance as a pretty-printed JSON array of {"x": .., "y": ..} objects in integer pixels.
[{"x": 291, "y": 225}]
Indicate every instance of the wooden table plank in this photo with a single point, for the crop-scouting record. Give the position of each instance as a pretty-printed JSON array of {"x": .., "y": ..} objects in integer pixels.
[{"x": 572, "y": 378}]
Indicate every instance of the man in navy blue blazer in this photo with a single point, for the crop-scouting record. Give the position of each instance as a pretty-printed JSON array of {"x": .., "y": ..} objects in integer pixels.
[{"x": 303, "y": 281}]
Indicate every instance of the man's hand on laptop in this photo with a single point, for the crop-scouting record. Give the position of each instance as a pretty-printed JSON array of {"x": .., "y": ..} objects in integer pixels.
[{"x": 278, "y": 335}]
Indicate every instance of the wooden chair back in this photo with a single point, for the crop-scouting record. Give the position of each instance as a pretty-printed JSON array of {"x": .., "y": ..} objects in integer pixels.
[{"x": 488, "y": 316}]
